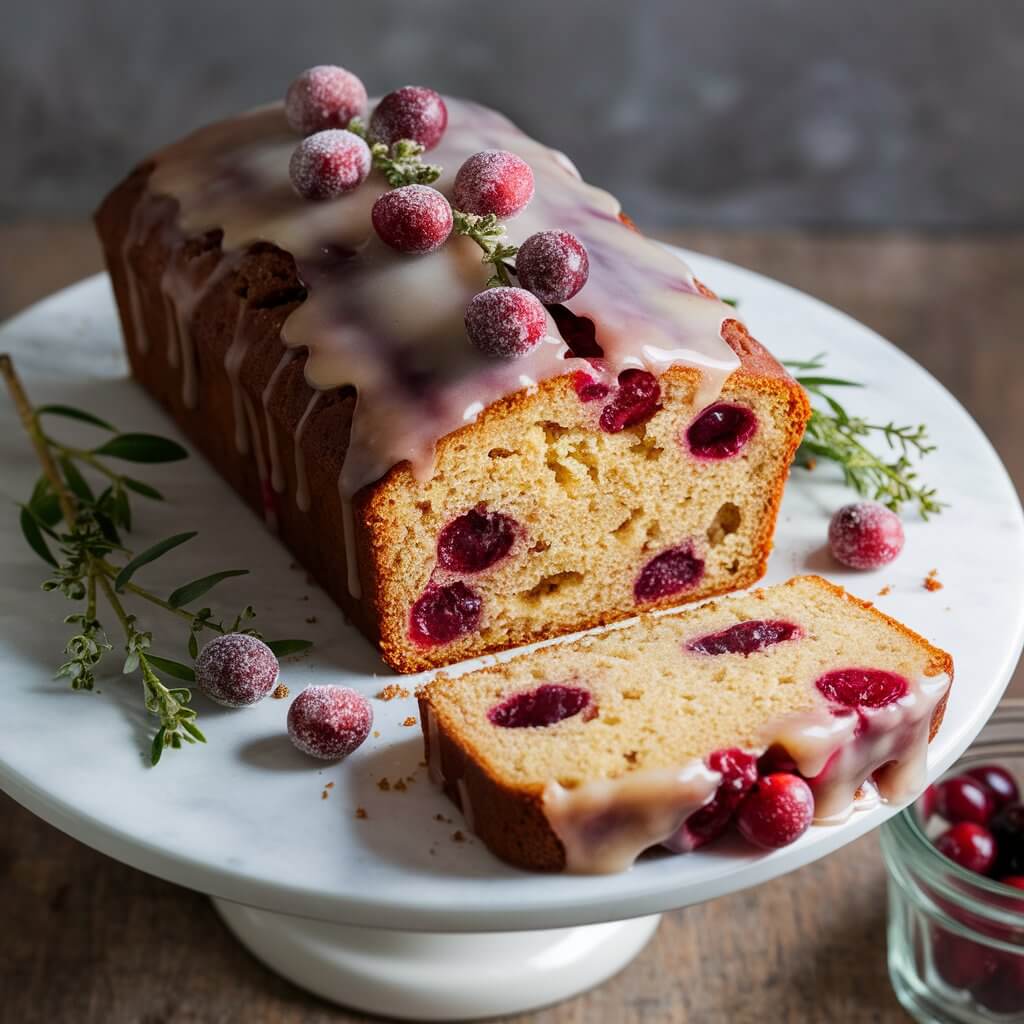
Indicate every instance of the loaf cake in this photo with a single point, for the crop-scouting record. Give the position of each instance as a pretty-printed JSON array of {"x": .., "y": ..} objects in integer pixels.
[
  {"x": 581, "y": 756},
  {"x": 452, "y": 503}
]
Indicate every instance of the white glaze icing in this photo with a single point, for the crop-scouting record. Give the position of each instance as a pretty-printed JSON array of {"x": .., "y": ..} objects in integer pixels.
[
  {"x": 233, "y": 365},
  {"x": 301, "y": 481},
  {"x": 276, "y": 471}
]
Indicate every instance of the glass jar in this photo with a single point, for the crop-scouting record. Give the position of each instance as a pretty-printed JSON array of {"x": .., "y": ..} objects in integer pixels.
[{"x": 956, "y": 939}]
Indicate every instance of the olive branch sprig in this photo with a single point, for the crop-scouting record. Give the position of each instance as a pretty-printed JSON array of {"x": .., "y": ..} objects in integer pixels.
[{"x": 77, "y": 532}]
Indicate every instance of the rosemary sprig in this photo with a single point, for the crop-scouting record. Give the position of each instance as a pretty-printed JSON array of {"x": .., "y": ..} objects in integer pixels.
[
  {"x": 489, "y": 233},
  {"x": 77, "y": 531},
  {"x": 833, "y": 434},
  {"x": 401, "y": 162}
]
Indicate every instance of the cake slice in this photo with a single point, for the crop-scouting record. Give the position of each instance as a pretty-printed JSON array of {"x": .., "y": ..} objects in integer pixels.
[{"x": 581, "y": 756}]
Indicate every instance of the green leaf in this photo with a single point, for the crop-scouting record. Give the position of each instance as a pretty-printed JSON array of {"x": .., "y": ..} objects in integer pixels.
[
  {"x": 76, "y": 482},
  {"x": 150, "y": 555},
  {"x": 44, "y": 504},
  {"x": 190, "y": 591},
  {"x": 34, "y": 536},
  {"x": 827, "y": 382},
  {"x": 730, "y": 302},
  {"x": 122, "y": 509},
  {"x": 282, "y": 648},
  {"x": 158, "y": 746},
  {"x": 71, "y": 413},
  {"x": 141, "y": 488},
  {"x": 193, "y": 646},
  {"x": 191, "y": 727},
  {"x": 142, "y": 448},
  {"x": 172, "y": 668}
]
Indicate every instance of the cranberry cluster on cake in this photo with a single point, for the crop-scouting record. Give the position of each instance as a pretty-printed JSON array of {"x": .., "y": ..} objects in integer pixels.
[{"x": 474, "y": 401}]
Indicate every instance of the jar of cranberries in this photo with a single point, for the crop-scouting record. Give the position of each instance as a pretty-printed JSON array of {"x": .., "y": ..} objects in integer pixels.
[{"x": 956, "y": 885}]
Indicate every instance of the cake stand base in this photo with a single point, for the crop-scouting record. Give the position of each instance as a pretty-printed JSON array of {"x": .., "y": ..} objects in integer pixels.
[{"x": 437, "y": 976}]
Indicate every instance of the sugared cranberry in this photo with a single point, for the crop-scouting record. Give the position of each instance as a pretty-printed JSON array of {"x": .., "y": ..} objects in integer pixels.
[
  {"x": 475, "y": 541},
  {"x": 634, "y": 401},
  {"x": 998, "y": 781},
  {"x": 862, "y": 687},
  {"x": 413, "y": 112},
  {"x": 323, "y": 97},
  {"x": 969, "y": 845},
  {"x": 493, "y": 181},
  {"x": 236, "y": 670},
  {"x": 964, "y": 799},
  {"x": 776, "y": 812},
  {"x": 553, "y": 265},
  {"x": 960, "y": 962},
  {"x": 739, "y": 773},
  {"x": 505, "y": 322},
  {"x": 746, "y": 638},
  {"x": 865, "y": 535},
  {"x": 329, "y": 722},
  {"x": 546, "y": 705},
  {"x": 329, "y": 164},
  {"x": 671, "y": 572},
  {"x": 443, "y": 614},
  {"x": 721, "y": 431},
  {"x": 1003, "y": 992},
  {"x": 413, "y": 219},
  {"x": 1007, "y": 827}
]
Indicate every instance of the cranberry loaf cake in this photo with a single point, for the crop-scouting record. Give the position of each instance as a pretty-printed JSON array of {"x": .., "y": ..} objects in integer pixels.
[
  {"x": 581, "y": 756},
  {"x": 467, "y": 455}
]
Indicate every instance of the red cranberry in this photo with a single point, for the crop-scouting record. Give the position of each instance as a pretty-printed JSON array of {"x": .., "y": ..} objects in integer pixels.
[
  {"x": 746, "y": 638},
  {"x": 329, "y": 722},
  {"x": 926, "y": 805},
  {"x": 1007, "y": 827},
  {"x": 1014, "y": 881},
  {"x": 721, "y": 431},
  {"x": 546, "y": 705},
  {"x": 862, "y": 687},
  {"x": 505, "y": 322},
  {"x": 413, "y": 112},
  {"x": 323, "y": 97},
  {"x": 776, "y": 759},
  {"x": 443, "y": 614},
  {"x": 739, "y": 773},
  {"x": 635, "y": 401},
  {"x": 578, "y": 332},
  {"x": 412, "y": 219},
  {"x": 1003, "y": 993},
  {"x": 475, "y": 541},
  {"x": 493, "y": 181},
  {"x": 969, "y": 845},
  {"x": 329, "y": 164},
  {"x": 960, "y": 962},
  {"x": 865, "y": 535},
  {"x": 998, "y": 781},
  {"x": 553, "y": 265},
  {"x": 588, "y": 389},
  {"x": 670, "y": 572},
  {"x": 964, "y": 799},
  {"x": 236, "y": 670},
  {"x": 777, "y": 811}
]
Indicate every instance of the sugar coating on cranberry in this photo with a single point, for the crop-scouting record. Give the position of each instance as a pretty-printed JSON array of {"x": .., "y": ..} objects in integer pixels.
[
  {"x": 671, "y": 572},
  {"x": 493, "y": 181},
  {"x": 328, "y": 164},
  {"x": 553, "y": 265},
  {"x": 865, "y": 535},
  {"x": 475, "y": 541},
  {"x": 329, "y": 722},
  {"x": 443, "y": 614},
  {"x": 998, "y": 781},
  {"x": 862, "y": 687},
  {"x": 634, "y": 401},
  {"x": 413, "y": 112},
  {"x": 777, "y": 811},
  {"x": 413, "y": 219},
  {"x": 739, "y": 773},
  {"x": 505, "y": 323},
  {"x": 721, "y": 431},
  {"x": 323, "y": 97},
  {"x": 964, "y": 799},
  {"x": 969, "y": 845},
  {"x": 236, "y": 670},
  {"x": 746, "y": 638},
  {"x": 546, "y": 705}
]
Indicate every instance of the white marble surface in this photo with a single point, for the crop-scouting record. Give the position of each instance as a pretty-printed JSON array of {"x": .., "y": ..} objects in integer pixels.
[{"x": 243, "y": 818}]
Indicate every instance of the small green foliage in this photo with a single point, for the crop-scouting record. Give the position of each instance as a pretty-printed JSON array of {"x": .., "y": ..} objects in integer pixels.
[
  {"x": 401, "y": 162},
  {"x": 489, "y": 233}
]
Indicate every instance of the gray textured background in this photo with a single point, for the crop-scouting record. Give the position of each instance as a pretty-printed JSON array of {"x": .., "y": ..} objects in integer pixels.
[{"x": 721, "y": 112}]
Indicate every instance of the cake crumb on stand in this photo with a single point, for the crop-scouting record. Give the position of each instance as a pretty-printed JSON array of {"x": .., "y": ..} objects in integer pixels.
[
  {"x": 280, "y": 692},
  {"x": 392, "y": 691},
  {"x": 932, "y": 582}
]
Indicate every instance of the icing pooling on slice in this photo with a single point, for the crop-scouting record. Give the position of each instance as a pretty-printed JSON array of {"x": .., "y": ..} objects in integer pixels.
[{"x": 391, "y": 325}]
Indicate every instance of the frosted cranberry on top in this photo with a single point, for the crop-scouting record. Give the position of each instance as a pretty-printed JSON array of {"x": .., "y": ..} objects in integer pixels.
[
  {"x": 865, "y": 535},
  {"x": 553, "y": 265},
  {"x": 777, "y": 811},
  {"x": 414, "y": 219},
  {"x": 323, "y": 97},
  {"x": 329, "y": 164},
  {"x": 329, "y": 722},
  {"x": 236, "y": 670},
  {"x": 413, "y": 112},
  {"x": 505, "y": 323},
  {"x": 493, "y": 181}
]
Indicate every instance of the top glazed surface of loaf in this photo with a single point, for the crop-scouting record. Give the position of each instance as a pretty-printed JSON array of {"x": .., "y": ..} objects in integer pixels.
[{"x": 391, "y": 325}]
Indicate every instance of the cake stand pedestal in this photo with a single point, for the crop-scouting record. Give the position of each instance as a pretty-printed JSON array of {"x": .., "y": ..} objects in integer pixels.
[{"x": 437, "y": 975}]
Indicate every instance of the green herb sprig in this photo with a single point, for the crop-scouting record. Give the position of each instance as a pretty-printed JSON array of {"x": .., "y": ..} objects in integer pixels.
[
  {"x": 833, "y": 434},
  {"x": 77, "y": 531},
  {"x": 489, "y": 233},
  {"x": 401, "y": 163}
]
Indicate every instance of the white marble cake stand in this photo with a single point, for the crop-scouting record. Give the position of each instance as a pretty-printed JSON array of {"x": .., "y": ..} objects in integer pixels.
[{"x": 341, "y": 905}]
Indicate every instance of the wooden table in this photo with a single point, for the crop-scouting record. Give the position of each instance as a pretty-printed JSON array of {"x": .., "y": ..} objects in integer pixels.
[{"x": 89, "y": 941}]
